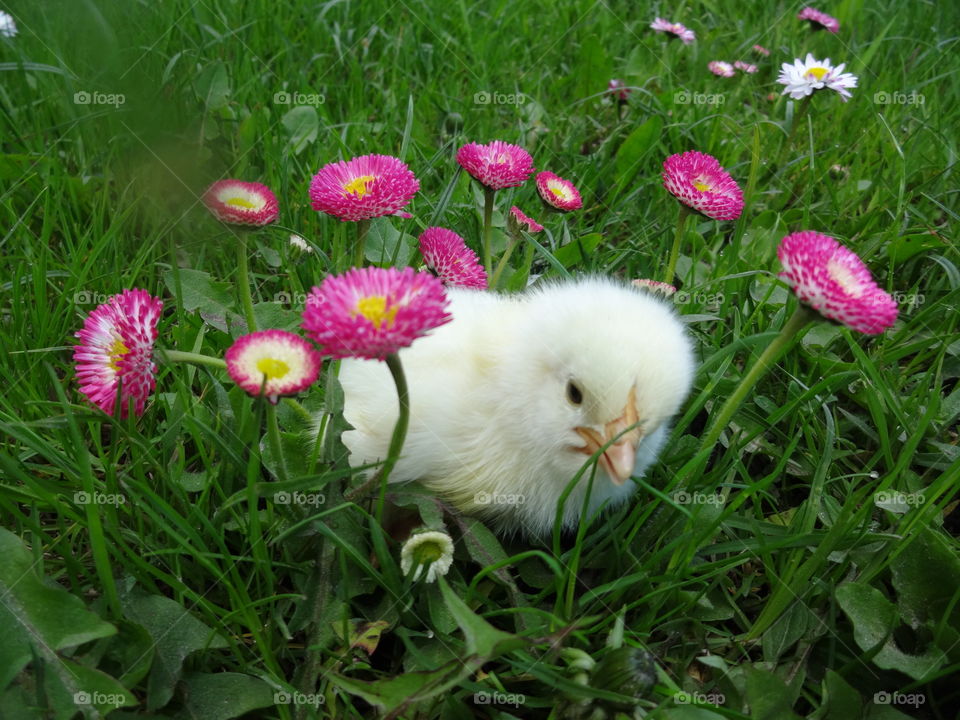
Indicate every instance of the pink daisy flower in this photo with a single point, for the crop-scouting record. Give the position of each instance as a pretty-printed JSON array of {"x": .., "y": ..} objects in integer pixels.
[
  {"x": 698, "y": 180},
  {"x": 275, "y": 362},
  {"x": 655, "y": 286},
  {"x": 675, "y": 29},
  {"x": 518, "y": 219},
  {"x": 834, "y": 281},
  {"x": 745, "y": 67},
  {"x": 365, "y": 187},
  {"x": 497, "y": 165},
  {"x": 241, "y": 203},
  {"x": 718, "y": 67},
  {"x": 557, "y": 192},
  {"x": 618, "y": 89},
  {"x": 116, "y": 350},
  {"x": 761, "y": 50},
  {"x": 819, "y": 20},
  {"x": 373, "y": 312},
  {"x": 447, "y": 254}
]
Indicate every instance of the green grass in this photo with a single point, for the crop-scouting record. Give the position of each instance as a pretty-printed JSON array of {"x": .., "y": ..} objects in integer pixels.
[{"x": 787, "y": 589}]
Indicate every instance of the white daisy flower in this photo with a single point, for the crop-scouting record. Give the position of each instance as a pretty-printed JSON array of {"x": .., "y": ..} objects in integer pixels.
[
  {"x": 298, "y": 243},
  {"x": 432, "y": 550},
  {"x": 8, "y": 28},
  {"x": 804, "y": 76}
]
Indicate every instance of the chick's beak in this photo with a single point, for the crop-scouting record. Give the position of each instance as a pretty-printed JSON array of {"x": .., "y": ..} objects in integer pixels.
[{"x": 619, "y": 459}]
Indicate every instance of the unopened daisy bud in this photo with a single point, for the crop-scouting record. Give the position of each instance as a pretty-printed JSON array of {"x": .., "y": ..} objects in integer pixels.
[
  {"x": 517, "y": 220},
  {"x": 299, "y": 244},
  {"x": 839, "y": 172},
  {"x": 627, "y": 671},
  {"x": 819, "y": 20},
  {"x": 746, "y": 67},
  {"x": 761, "y": 50},
  {"x": 431, "y": 550}
]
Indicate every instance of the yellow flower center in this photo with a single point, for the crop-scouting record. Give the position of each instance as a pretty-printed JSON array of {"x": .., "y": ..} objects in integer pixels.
[
  {"x": 374, "y": 309},
  {"x": 817, "y": 72},
  {"x": 272, "y": 368},
  {"x": 841, "y": 274},
  {"x": 701, "y": 186},
  {"x": 117, "y": 351},
  {"x": 558, "y": 190},
  {"x": 358, "y": 186},
  {"x": 240, "y": 202},
  {"x": 427, "y": 552}
]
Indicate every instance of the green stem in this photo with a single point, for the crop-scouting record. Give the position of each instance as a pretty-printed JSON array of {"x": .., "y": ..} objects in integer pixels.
[
  {"x": 501, "y": 266},
  {"x": 363, "y": 227},
  {"x": 774, "y": 350},
  {"x": 298, "y": 409},
  {"x": 192, "y": 357},
  {"x": 675, "y": 250},
  {"x": 246, "y": 299},
  {"x": 273, "y": 437},
  {"x": 488, "y": 194},
  {"x": 399, "y": 430}
]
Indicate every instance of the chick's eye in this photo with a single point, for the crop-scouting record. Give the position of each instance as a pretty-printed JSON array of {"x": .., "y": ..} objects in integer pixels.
[{"x": 574, "y": 394}]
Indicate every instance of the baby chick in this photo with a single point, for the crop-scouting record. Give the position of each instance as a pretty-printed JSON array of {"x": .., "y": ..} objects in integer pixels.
[{"x": 510, "y": 399}]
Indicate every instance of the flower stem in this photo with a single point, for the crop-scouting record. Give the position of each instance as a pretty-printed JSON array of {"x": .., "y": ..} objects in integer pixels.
[
  {"x": 192, "y": 357},
  {"x": 675, "y": 250},
  {"x": 246, "y": 299},
  {"x": 363, "y": 227},
  {"x": 399, "y": 430},
  {"x": 273, "y": 437},
  {"x": 488, "y": 194},
  {"x": 774, "y": 350},
  {"x": 515, "y": 238}
]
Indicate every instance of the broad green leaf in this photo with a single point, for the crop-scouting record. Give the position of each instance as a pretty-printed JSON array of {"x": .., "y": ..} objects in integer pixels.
[
  {"x": 36, "y": 616},
  {"x": 221, "y": 696},
  {"x": 782, "y": 635},
  {"x": 578, "y": 250},
  {"x": 633, "y": 149},
  {"x": 768, "y": 696},
  {"x": 482, "y": 638},
  {"x": 842, "y": 701},
  {"x": 175, "y": 632},
  {"x": 904, "y": 248},
  {"x": 363, "y": 633},
  {"x": 200, "y": 292},
  {"x": 926, "y": 576},
  {"x": 213, "y": 85},
  {"x": 302, "y": 125},
  {"x": 873, "y": 618},
  {"x": 410, "y": 687}
]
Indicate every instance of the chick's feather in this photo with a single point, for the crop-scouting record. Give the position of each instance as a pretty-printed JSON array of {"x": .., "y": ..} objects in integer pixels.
[{"x": 493, "y": 399}]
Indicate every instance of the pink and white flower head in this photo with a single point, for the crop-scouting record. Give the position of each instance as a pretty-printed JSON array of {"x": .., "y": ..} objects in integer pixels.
[
  {"x": 497, "y": 164},
  {"x": 834, "y": 281},
  {"x": 804, "y": 76},
  {"x": 373, "y": 312},
  {"x": 697, "y": 180},
  {"x": 819, "y": 20},
  {"x": 721, "y": 68},
  {"x": 116, "y": 351},
  {"x": 675, "y": 29},
  {"x": 761, "y": 50},
  {"x": 447, "y": 254},
  {"x": 558, "y": 193},
  {"x": 364, "y": 187},
  {"x": 655, "y": 287},
  {"x": 618, "y": 89},
  {"x": 746, "y": 67},
  {"x": 518, "y": 220},
  {"x": 242, "y": 203},
  {"x": 274, "y": 362}
]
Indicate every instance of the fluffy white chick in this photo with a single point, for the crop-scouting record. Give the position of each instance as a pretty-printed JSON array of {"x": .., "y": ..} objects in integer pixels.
[{"x": 510, "y": 399}]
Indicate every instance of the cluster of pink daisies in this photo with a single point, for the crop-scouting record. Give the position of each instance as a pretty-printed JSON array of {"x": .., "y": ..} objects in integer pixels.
[{"x": 373, "y": 312}]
